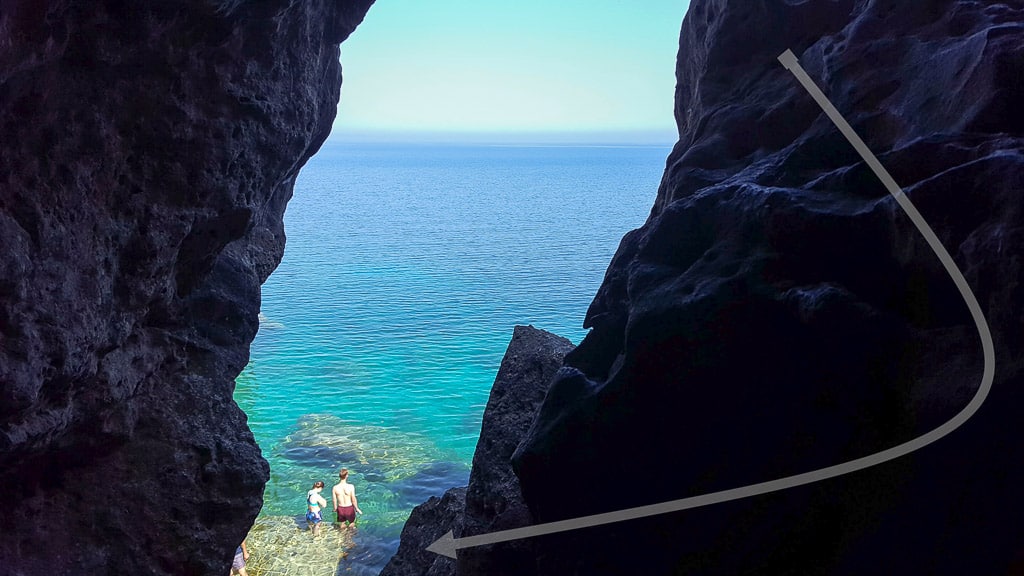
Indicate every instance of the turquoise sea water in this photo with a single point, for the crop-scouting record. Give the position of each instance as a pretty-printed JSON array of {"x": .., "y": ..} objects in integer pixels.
[{"x": 405, "y": 270}]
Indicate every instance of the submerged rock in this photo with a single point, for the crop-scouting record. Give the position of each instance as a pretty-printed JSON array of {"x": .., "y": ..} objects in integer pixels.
[
  {"x": 268, "y": 324},
  {"x": 283, "y": 545},
  {"x": 149, "y": 151},
  {"x": 324, "y": 441},
  {"x": 424, "y": 484}
]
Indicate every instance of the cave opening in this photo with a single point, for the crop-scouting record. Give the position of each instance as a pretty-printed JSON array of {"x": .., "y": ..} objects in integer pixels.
[
  {"x": 426, "y": 228},
  {"x": 153, "y": 147}
]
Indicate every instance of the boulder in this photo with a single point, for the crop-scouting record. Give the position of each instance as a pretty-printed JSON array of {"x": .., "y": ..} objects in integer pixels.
[{"x": 492, "y": 500}]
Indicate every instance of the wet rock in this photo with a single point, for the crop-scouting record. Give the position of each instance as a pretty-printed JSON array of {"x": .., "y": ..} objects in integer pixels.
[{"x": 149, "y": 151}]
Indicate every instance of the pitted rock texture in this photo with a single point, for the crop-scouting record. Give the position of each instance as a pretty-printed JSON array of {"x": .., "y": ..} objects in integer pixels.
[
  {"x": 149, "y": 149},
  {"x": 427, "y": 522},
  {"x": 778, "y": 312},
  {"x": 492, "y": 501}
]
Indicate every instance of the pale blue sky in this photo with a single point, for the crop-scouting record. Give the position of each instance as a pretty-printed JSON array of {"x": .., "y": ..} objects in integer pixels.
[{"x": 601, "y": 70}]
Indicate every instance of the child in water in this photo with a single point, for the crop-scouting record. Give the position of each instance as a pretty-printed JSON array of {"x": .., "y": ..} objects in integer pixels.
[{"x": 314, "y": 504}]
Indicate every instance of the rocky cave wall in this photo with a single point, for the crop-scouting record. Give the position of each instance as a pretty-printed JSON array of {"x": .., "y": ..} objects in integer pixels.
[
  {"x": 778, "y": 313},
  {"x": 148, "y": 151}
]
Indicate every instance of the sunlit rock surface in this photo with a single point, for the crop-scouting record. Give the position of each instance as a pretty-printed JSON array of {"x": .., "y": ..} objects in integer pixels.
[
  {"x": 778, "y": 312},
  {"x": 149, "y": 149}
]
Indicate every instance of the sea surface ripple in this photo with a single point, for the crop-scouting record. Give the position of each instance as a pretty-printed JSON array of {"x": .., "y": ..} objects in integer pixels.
[{"x": 406, "y": 268}]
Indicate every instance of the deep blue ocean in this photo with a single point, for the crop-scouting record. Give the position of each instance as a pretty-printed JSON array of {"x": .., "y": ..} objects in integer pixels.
[{"x": 405, "y": 270}]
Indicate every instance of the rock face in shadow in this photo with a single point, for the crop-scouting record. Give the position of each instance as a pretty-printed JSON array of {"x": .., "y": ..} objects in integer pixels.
[
  {"x": 492, "y": 501},
  {"x": 428, "y": 522},
  {"x": 149, "y": 151},
  {"x": 779, "y": 313}
]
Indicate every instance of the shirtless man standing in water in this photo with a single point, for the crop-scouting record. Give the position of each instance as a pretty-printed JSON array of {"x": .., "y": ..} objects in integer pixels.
[{"x": 343, "y": 498}]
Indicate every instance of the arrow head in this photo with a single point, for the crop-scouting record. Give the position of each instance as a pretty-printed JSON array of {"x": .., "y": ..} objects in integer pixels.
[
  {"x": 445, "y": 545},
  {"x": 788, "y": 59}
]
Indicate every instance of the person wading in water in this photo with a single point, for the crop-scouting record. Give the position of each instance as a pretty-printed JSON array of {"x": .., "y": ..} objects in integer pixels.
[
  {"x": 343, "y": 498},
  {"x": 314, "y": 502}
]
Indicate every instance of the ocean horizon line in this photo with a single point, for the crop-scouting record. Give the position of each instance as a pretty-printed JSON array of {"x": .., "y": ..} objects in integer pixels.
[{"x": 517, "y": 139}]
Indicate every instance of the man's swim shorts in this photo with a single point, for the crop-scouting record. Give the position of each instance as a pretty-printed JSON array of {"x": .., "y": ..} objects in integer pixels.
[{"x": 346, "y": 513}]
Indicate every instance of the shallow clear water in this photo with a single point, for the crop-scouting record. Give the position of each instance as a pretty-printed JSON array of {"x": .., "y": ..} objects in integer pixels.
[{"x": 405, "y": 270}]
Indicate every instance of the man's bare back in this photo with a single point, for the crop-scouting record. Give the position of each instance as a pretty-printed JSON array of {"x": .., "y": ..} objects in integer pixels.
[
  {"x": 343, "y": 497},
  {"x": 342, "y": 494}
]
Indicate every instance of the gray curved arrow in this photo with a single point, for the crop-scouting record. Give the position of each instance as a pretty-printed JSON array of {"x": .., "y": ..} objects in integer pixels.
[{"x": 448, "y": 544}]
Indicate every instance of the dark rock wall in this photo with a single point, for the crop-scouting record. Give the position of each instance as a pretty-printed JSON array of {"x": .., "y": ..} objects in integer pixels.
[
  {"x": 494, "y": 501},
  {"x": 778, "y": 312},
  {"x": 427, "y": 522},
  {"x": 148, "y": 151}
]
